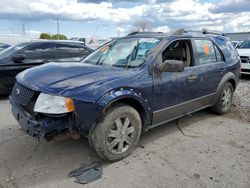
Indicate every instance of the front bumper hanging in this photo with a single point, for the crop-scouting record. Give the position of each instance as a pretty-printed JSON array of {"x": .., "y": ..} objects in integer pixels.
[{"x": 47, "y": 126}]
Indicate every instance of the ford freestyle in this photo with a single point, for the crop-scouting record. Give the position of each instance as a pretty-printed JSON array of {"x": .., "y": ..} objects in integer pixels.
[{"x": 127, "y": 86}]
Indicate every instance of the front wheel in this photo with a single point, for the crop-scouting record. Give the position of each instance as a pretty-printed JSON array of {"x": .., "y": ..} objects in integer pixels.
[
  {"x": 224, "y": 102},
  {"x": 117, "y": 135}
]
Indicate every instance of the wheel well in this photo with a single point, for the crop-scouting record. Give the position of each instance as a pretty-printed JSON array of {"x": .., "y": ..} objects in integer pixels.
[
  {"x": 232, "y": 81},
  {"x": 135, "y": 104}
]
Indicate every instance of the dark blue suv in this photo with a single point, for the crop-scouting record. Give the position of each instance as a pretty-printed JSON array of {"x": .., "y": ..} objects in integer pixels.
[{"x": 127, "y": 86}]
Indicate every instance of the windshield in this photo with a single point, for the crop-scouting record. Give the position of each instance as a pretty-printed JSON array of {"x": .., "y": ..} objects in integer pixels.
[
  {"x": 124, "y": 52},
  {"x": 8, "y": 51},
  {"x": 245, "y": 44}
]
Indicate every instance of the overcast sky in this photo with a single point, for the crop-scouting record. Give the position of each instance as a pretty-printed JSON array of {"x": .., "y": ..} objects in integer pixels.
[{"x": 108, "y": 18}]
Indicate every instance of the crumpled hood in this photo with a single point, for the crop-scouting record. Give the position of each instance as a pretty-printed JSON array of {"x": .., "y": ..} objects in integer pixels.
[
  {"x": 244, "y": 52},
  {"x": 76, "y": 80}
]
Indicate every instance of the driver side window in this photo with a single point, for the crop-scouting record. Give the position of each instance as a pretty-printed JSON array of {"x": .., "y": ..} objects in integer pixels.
[
  {"x": 179, "y": 50},
  {"x": 37, "y": 52}
]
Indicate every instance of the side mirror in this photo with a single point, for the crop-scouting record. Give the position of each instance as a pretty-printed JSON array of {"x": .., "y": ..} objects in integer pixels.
[
  {"x": 18, "y": 58},
  {"x": 171, "y": 66}
]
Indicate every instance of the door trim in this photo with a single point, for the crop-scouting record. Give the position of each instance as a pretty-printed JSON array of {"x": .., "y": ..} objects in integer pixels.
[{"x": 167, "y": 114}]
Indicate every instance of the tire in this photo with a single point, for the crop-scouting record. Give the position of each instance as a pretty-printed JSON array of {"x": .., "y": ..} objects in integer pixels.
[
  {"x": 117, "y": 135},
  {"x": 224, "y": 102}
]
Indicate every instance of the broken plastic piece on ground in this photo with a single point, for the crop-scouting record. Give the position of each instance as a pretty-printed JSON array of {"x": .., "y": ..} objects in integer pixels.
[
  {"x": 87, "y": 173},
  {"x": 89, "y": 176}
]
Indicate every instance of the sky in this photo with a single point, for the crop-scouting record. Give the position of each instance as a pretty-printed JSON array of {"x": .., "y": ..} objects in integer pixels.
[{"x": 86, "y": 18}]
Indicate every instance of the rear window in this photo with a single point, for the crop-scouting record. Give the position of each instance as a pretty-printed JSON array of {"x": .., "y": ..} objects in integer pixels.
[
  {"x": 245, "y": 44},
  {"x": 232, "y": 51}
]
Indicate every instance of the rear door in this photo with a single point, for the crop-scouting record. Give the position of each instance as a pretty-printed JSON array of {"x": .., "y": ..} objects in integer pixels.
[{"x": 211, "y": 62}]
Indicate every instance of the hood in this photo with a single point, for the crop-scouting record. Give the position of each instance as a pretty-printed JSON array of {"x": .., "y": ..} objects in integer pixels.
[
  {"x": 76, "y": 80},
  {"x": 244, "y": 52},
  {"x": 4, "y": 61}
]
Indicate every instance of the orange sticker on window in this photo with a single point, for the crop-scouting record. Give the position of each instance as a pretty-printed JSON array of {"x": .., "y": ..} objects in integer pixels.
[
  {"x": 104, "y": 48},
  {"x": 206, "y": 49}
]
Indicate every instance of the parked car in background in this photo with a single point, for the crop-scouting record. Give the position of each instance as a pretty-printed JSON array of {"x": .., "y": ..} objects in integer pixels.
[
  {"x": 237, "y": 43},
  {"x": 244, "y": 52},
  {"x": 78, "y": 39},
  {"x": 127, "y": 86},
  {"x": 29, "y": 54},
  {"x": 3, "y": 46}
]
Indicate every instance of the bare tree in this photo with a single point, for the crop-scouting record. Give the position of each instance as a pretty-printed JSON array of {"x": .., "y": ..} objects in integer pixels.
[{"x": 142, "y": 25}]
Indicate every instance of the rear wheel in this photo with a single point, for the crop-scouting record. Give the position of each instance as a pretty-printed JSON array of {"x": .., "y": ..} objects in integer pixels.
[
  {"x": 117, "y": 135},
  {"x": 224, "y": 102}
]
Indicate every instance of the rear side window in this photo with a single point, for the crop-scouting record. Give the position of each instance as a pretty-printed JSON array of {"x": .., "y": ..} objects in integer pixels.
[
  {"x": 218, "y": 54},
  {"x": 232, "y": 52},
  {"x": 70, "y": 52},
  {"x": 84, "y": 51},
  {"x": 207, "y": 52}
]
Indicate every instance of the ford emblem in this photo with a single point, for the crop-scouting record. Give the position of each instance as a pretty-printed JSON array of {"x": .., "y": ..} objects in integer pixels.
[{"x": 17, "y": 91}]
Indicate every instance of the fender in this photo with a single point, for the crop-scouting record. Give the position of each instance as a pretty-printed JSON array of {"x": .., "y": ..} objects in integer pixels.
[
  {"x": 225, "y": 79},
  {"x": 125, "y": 93}
]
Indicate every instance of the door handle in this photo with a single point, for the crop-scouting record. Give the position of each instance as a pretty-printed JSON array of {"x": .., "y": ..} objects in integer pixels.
[
  {"x": 192, "y": 77},
  {"x": 222, "y": 70}
]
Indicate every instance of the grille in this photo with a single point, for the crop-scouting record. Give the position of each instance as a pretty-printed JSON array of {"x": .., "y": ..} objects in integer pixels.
[
  {"x": 245, "y": 70},
  {"x": 245, "y": 59},
  {"x": 21, "y": 94}
]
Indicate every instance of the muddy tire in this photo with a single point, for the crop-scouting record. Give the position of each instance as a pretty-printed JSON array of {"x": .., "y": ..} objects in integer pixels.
[
  {"x": 224, "y": 102},
  {"x": 117, "y": 135}
]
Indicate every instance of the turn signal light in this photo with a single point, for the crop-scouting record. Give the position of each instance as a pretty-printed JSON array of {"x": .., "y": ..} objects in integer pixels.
[{"x": 69, "y": 104}]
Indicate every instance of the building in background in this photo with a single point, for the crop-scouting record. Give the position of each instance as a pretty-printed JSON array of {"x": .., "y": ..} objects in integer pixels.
[
  {"x": 13, "y": 39},
  {"x": 240, "y": 36}
]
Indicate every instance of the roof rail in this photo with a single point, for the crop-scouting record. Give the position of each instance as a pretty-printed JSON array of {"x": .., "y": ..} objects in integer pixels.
[
  {"x": 204, "y": 31},
  {"x": 133, "y": 33},
  {"x": 137, "y": 32}
]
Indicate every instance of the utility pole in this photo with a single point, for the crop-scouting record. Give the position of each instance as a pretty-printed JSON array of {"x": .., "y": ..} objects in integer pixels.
[
  {"x": 118, "y": 32},
  {"x": 23, "y": 28},
  {"x": 58, "y": 28},
  {"x": 11, "y": 31}
]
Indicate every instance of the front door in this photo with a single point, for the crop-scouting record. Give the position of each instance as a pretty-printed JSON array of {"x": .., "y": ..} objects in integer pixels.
[
  {"x": 35, "y": 54},
  {"x": 179, "y": 93}
]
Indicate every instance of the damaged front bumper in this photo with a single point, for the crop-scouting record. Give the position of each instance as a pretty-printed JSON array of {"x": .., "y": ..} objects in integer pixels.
[{"x": 47, "y": 126}]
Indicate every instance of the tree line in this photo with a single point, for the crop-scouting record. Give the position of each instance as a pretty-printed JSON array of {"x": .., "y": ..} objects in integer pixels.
[{"x": 52, "y": 37}]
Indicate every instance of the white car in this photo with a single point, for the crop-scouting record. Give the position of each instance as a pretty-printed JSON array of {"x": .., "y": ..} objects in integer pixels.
[{"x": 244, "y": 52}]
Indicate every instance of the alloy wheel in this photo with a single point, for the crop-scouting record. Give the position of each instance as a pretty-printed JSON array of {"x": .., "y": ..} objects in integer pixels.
[{"x": 120, "y": 136}]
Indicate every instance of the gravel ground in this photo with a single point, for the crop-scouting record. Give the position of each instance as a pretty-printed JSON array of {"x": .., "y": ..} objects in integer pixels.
[
  {"x": 211, "y": 151},
  {"x": 241, "y": 102}
]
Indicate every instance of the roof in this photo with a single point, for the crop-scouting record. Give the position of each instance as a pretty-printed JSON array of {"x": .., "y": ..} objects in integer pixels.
[
  {"x": 56, "y": 41},
  {"x": 147, "y": 34},
  {"x": 178, "y": 33}
]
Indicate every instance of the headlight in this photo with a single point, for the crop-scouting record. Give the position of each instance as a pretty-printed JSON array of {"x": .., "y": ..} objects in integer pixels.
[{"x": 51, "y": 104}]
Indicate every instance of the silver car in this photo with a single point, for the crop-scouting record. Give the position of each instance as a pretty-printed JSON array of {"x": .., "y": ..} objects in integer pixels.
[{"x": 244, "y": 52}]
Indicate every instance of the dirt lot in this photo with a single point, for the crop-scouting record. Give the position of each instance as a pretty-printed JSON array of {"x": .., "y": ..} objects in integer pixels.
[{"x": 214, "y": 151}]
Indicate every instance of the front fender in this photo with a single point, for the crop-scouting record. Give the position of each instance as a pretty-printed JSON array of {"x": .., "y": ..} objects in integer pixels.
[{"x": 125, "y": 93}]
